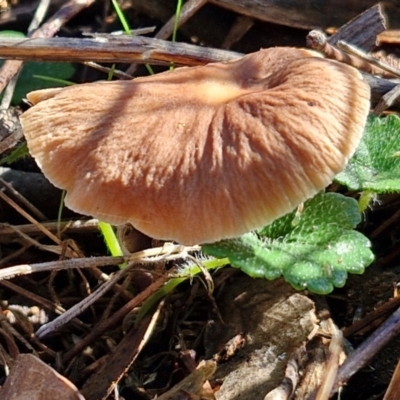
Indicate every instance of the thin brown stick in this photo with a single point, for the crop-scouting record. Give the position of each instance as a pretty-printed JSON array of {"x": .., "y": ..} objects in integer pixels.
[
  {"x": 368, "y": 349},
  {"x": 78, "y": 308},
  {"x": 124, "y": 49},
  {"x": 380, "y": 312},
  {"x": 34, "y": 210},
  {"x": 11, "y": 140},
  {"x": 167, "y": 252},
  {"x": 36, "y": 299},
  {"x": 393, "y": 391},
  {"x": 56, "y": 249},
  {"x": 387, "y": 223},
  {"x": 188, "y": 10},
  {"x": 353, "y": 51},
  {"x": 114, "y": 319},
  {"x": 32, "y": 220},
  {"x": 8, "y": 327},
  {"x": 317, "y": 40},
  {"x": 39, "y": 16},
  {"x": 25, "y": 269},
  {"x": 7, "y": 232}
]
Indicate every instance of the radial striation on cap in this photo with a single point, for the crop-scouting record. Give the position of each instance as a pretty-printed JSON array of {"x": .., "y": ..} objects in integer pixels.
[{"x": 204, "y": 153}]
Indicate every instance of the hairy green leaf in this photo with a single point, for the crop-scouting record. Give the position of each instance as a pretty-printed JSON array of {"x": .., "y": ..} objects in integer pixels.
[
  {"x": 316, "y": 252},
  {"x": 375, "y": 166}
]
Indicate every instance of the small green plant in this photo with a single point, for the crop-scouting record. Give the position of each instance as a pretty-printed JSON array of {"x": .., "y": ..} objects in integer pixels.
[
  {"x": 322, "y": 247},
  {"x": 315, "y": 253},
  {"x": 177, "y": 16}
]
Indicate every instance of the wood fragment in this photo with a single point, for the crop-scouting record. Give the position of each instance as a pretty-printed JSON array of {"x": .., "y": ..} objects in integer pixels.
[
  {"x": 391, "y": 36},
  {"x": 387, "y": 100},
  {"x": 239, "y": 28},
  {"x": 332, "y": 365},
  {"x": 379, "y": 86},
  {"x": 309, "y": 15},
  {"x": 362, "y": 30}
]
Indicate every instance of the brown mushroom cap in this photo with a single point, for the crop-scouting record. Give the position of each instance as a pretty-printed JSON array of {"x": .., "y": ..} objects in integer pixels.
[{"x": 204, "y": 153}]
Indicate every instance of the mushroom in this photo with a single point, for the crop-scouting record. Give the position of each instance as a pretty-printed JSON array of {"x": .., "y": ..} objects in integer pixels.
[{"x": 204, "y": 153}]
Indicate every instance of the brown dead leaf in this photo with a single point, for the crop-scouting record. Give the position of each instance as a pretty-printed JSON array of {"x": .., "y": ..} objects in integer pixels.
[{"x": 32, "y": 379}]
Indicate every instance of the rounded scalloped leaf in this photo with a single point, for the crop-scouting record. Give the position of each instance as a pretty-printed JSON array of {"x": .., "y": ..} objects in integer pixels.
[{"x": 317, "y": 253}]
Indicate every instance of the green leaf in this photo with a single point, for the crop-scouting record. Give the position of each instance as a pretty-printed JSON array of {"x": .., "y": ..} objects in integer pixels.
[
  {"x": 12, "y": 34},
  {"x": 27, "y": 80},
  {"x": 315, "y": 253},
  {"x": 375, "y": 166},
  {"x": 19, "y": 152}
]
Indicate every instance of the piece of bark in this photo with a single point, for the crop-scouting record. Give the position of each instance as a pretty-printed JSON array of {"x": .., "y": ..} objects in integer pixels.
[
  {"x": 308, "y": 15},
  {"x": 391, "y": 36},
  {"x": 362, "y": 30},
  {"x": 275, "y": 319}
]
